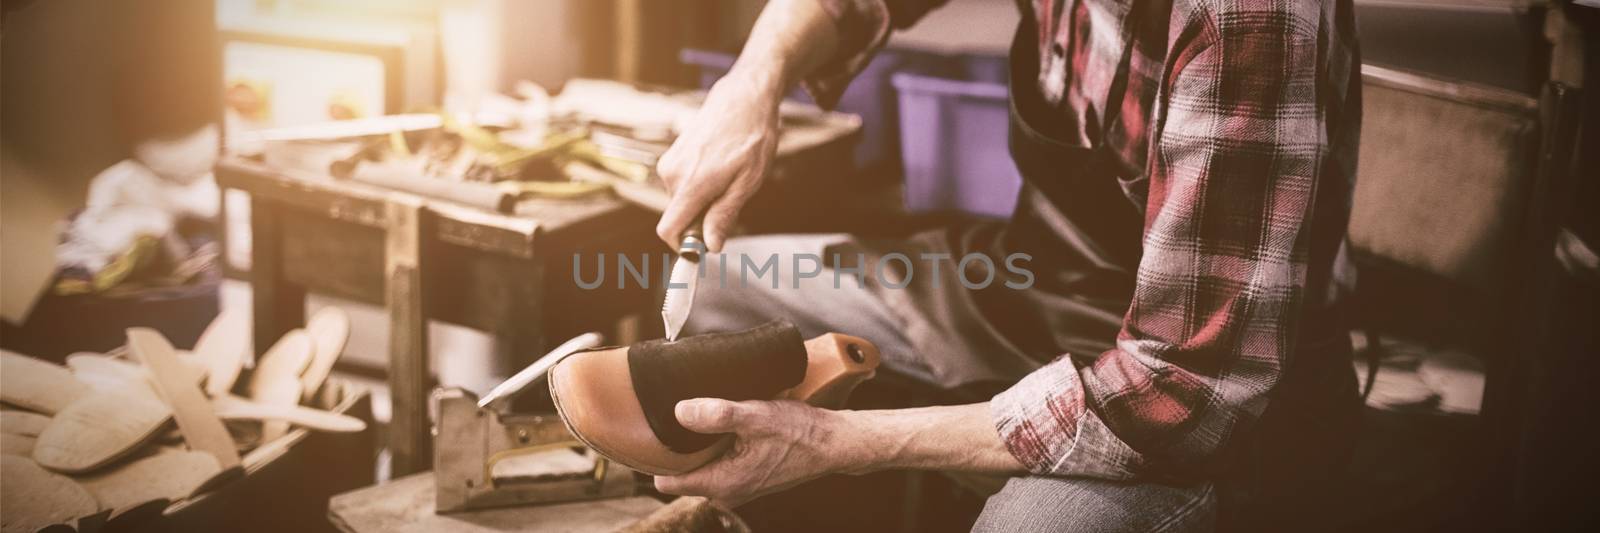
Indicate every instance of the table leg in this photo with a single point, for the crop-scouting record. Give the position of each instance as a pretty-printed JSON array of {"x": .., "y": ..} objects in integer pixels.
[
  {"x": 405, "y": 288},
  {"x": 278, "y": 304}
]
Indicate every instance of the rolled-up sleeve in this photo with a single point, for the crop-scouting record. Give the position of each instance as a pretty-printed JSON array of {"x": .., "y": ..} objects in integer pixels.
[
  {"x": 1233, "y": 172},
  {"x": 863, "y": 27}
]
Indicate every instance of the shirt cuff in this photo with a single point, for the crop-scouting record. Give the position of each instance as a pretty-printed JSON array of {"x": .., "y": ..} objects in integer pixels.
[
  {"x": 1045, "y": 423},
  {"x": 863, "y": 27}
]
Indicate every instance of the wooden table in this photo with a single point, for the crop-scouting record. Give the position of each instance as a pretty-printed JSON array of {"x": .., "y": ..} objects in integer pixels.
[
  {"x": 509, "y": 275},
  {"x": 406, "y": 505},
  {"x": 425, "y": 259}
]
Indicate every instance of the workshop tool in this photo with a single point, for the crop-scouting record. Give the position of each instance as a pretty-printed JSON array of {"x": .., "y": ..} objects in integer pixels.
[
  {"x": 505, "y": 160},
  {"x": 632, "y": 160},
  {"x": 556, "y": 190},
  {"x": 389, "y": 162},
  {"x": 475, "y": 437},
  {"x": 399, "y": 177},
  {"x": 679, "y": 300},
  {"x": 620, "y": 401},
  {"x": 638, "y": 192}
]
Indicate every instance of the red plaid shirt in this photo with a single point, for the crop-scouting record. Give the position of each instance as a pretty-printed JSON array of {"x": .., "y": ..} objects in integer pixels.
[{"x": 1244, "y": 116}]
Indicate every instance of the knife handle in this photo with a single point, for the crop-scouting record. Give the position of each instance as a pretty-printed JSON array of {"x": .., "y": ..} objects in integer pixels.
[{"x": 693, "y": 243}]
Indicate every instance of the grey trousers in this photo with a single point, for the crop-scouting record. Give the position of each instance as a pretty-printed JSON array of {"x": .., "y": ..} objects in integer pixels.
[{"x": 733, "y": 298}]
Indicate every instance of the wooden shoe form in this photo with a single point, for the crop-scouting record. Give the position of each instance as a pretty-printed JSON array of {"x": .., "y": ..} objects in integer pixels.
[
  {"x": 23, "y": 423},
  {"x": 36, "y": 385},
  {"x": 34, "y": 498},
  {"x": 202, "y": 430},
  {"x": 284, "y": 361},
  {"x": 222, "y": 349},
  {"x": 100, "y": 428},
  {"x": 329, "y": 330}
]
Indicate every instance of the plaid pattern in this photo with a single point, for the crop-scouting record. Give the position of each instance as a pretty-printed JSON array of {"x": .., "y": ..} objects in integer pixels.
[{"x": 1237, "y": 114}]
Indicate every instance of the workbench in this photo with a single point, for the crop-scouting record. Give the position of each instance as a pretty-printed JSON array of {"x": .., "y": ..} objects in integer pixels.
[
  {"x": 406, "y": 505},
  {"x": 423, "y": 260},
  {"x": 507, "y": 274}
]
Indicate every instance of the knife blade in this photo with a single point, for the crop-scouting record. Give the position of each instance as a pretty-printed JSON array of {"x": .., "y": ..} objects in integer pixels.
[{"x": 679, "y": 300}]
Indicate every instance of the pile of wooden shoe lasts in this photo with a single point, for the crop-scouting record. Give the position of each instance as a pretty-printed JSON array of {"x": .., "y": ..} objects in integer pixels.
[{"x": 127, "y": 433}]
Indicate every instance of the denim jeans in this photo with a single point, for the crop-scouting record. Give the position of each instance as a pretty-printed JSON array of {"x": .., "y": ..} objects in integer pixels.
[{"x": 1040, "y": 504}]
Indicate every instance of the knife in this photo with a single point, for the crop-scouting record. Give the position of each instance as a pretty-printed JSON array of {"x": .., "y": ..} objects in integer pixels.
[{"x": 679, "y": 299}]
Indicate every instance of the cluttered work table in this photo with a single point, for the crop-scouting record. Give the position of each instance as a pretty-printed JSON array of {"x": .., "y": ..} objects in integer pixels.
[{"x": 478, "y": 223}]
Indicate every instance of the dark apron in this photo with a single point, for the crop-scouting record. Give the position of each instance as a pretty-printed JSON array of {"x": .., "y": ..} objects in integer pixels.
[
  {"x": 1080, "y": 216},
  {"x": 1081, "y": 235}
]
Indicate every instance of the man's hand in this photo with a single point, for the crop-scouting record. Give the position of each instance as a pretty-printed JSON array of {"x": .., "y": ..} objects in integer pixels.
[
  {"x": 777, "y": 445},
  {"x": 719, "y": 161},
  {"x": 780, "y": 444}
]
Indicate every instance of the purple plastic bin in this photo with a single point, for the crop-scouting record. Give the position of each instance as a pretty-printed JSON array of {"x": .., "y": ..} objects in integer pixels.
[{"x": 953, "y": 143}]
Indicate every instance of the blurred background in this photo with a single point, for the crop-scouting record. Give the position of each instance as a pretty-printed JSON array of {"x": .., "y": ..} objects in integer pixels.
[{"x": 142, "y": 141}]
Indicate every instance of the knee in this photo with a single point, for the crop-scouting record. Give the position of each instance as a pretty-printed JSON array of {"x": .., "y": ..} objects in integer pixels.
[{"x": 1087, "y": 505}]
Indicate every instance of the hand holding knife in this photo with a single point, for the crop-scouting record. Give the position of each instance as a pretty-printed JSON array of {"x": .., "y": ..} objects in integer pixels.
[{"x": 714, "y": 166}]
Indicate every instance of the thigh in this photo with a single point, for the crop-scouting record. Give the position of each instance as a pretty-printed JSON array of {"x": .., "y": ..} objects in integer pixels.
[
  {"x": 1089, "y": 505},
  {"x": 737, "y": 293}
]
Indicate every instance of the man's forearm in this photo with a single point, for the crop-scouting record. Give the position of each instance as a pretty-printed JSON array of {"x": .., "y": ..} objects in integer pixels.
[
  {"x": 938, "y": 438},
  {"x": 789, "y": 40}
]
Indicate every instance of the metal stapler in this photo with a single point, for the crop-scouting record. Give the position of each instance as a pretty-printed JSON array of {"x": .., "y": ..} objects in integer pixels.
[{"x": 484, "y": 456}]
